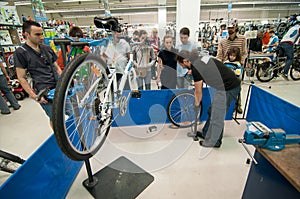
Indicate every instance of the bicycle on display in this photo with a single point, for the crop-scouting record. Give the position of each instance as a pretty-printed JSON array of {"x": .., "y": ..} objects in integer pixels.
[
  {"x": 268, "y": 70},
  {"x": 87, "y": 94}
]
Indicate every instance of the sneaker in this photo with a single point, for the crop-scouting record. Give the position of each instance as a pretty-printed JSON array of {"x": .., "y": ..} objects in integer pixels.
[
  {"x": 5, "y": 113},
  {"x": 285, "y": 76},
  {"x": 17, "y": 108},
  {"x": 202, "y": 143},
  {"x": 198, "y": 134}
]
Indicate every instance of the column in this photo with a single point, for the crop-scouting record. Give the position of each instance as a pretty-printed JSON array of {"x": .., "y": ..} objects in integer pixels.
[
  {"x": 162, "y": 18},
  {"x": 188, "y": 15}
]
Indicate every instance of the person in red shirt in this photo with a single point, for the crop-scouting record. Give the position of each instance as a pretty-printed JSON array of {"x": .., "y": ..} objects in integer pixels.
[{"x": 76, "y": 33}]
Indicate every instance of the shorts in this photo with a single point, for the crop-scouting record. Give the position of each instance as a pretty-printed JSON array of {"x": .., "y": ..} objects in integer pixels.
[{"x": 48, "y": 109}]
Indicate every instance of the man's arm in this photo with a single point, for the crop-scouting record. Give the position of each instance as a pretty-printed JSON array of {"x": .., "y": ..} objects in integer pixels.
[
  {"x": 244, "y": 51},
  {"x": 21, "y": 73},
  {"x": 198, "y": 92},
  {"x": 4, "y": 71},
  {"x": 57, "y": 68},
  {"x": 159, "y": 68},
  {"x": 220, "y": 52}
]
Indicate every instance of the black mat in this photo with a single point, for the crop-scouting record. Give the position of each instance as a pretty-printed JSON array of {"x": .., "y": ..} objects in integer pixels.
[{"x": 120, "y": 179}]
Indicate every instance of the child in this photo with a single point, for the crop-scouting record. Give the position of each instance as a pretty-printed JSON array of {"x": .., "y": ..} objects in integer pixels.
[{"x": 234, "y": 60}]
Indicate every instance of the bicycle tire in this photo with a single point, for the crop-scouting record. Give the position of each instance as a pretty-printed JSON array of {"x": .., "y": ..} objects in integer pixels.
[
  {"x": 282, "y": 29},
  {"x": 180, "y": 109},
  {"x": 295, "y": 71},
  {"x": 265, "y": 71},
  {"x": 81, "y": 134}
]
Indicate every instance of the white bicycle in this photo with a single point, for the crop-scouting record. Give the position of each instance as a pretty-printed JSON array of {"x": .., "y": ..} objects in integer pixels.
[{"x": 86, "y": 96}]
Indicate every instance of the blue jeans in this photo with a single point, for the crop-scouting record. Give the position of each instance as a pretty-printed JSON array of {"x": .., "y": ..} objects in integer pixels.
[
  {"x": 8, "y": 94},
  {"x": 213, "y": 128},
  {"x": 289, "y": 53},
  {"x": 147, "y": 81}
]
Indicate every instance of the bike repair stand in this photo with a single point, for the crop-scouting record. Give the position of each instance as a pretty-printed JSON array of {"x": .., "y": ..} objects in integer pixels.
[
  {"x": 120, "y": 179},
  {"x": 195, "y": 138},
  {"x": 236, "y": 118}
]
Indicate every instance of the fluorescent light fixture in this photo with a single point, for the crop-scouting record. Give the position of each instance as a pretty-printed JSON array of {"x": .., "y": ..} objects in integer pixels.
[{"x": 22, "y": 3}]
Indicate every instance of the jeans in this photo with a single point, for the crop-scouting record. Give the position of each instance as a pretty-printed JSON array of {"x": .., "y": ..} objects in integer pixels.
[
  {"x": 289, "y": 53},
  {"x": 182, "y": 82},
  {"x": 213, "y": 128},
  {"x": 147, "y": 81},
  {"x": 8, "y": 94}
]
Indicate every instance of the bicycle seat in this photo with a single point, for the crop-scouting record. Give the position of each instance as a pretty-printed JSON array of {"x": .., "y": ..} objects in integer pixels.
[
  {"x": 108, "y": 23},
  {"x": 61, "y": 41}
]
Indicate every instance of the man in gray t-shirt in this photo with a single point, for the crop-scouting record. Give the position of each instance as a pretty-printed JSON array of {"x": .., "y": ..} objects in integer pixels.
[
  {"x": 39, "y": 61},
  {"x": 185, "y": 45}
]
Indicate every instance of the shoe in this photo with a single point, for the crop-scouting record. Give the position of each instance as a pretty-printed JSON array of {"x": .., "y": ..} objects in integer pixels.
[
  {"x": 239, "y": 110},
  {"x": 17, "y": 108},
  {"x": 285, "y": 76},
  {"x": 202, "y": 143},
  {"x": 198, "y": 134},
  {"x": 5, "y": 113}
]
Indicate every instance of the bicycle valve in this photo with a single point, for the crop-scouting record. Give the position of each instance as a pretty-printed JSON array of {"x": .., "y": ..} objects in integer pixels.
[{"x": 242, "y": 141}]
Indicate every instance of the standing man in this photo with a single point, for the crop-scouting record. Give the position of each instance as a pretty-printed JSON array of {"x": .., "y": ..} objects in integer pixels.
[
  {"x": 117, "y": 53},
  {"x": 233, "y": 40},
  {"x": 4, "y": 78},
  {"x": 185, "y": 45},
  {"x": 39, "y": 61},
  {"x": 215, "y": 74}
]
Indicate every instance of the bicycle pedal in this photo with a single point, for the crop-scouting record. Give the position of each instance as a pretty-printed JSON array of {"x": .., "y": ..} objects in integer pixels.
[{"x": 136, "y": 94}]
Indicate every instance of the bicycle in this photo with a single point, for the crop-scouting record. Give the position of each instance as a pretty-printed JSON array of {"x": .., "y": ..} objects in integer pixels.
[
  {"x": 180, "y": 109},
  {"x": 268, "y": 70},
  {"x": 88, "y": 89}
]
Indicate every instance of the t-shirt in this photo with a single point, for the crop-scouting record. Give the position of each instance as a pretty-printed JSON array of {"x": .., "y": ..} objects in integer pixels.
[
  {"x": 292, "y": 35},
  {"x": 168, "y": 74},
  {"x": 37, "y": 65},
  {"x": 181, "y": 72},
  {"x": 118, "y": 53},
  {"x": 272, "y": 41},
  {"x": 60, "y": 60},
  {"x": 214, "y": 73}
]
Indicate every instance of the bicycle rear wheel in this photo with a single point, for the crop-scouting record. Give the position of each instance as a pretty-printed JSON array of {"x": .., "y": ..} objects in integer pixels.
[
  {"x": 295, "y": 71},
  {"x": 181, "y": 110},
  {"x": 81, "y": 117},
  {"x": 265, "y": 71}
]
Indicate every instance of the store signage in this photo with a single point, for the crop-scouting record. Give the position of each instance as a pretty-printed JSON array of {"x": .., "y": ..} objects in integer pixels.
[{"x": 38, "y": 10}]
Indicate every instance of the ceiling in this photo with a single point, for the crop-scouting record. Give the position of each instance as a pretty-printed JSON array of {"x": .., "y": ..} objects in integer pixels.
[{"x": 130, "y": 9}]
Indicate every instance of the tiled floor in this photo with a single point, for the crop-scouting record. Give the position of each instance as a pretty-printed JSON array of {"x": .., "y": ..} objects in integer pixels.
[{"x": 181, "y": 168}]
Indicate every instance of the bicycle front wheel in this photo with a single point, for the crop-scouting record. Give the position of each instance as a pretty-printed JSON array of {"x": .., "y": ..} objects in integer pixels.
[
  {"x": 295, "y": 71},
  {"x": 81, "y": 107},
  {"x": 181, "y": 110},
  {"x": 265, "y": 71}
]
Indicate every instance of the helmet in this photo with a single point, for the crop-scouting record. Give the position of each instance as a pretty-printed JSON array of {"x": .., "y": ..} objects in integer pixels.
[{"x": 232, "y": 23}]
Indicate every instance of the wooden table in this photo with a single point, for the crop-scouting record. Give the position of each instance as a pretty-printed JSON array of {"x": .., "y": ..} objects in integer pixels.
[
  {"x": 287, "y": 162},
  {"x": 276, "y": 176}
]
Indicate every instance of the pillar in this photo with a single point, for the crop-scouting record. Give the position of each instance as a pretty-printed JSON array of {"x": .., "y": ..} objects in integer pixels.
[{"x": 188, "y": 15}]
